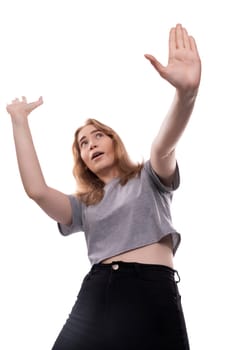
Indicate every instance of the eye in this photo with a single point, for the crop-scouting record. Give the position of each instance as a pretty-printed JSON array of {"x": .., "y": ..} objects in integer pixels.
[
  {"x": 83, "y": 143},
  {"x": 99, "y": 134}
]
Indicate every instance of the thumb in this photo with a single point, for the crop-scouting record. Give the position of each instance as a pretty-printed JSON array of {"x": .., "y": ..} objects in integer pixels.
[
  {"x": 35, "y": 104},
  {"x": 155, "y": 63}
]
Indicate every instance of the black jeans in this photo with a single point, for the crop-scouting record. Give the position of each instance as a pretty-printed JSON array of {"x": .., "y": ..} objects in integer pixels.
[{"x": 126, "y": 306}]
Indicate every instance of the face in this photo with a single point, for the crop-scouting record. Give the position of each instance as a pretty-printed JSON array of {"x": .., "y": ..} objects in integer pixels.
[{"x": 97, "y": 152}]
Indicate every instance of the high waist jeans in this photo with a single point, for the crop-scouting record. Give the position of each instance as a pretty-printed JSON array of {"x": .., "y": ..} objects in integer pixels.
[{"x": 126, "y": 306}]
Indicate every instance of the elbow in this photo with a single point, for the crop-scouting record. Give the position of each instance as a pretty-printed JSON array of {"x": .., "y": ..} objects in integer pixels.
[
  {"x": 35, "y": 194},
  {"x": 161, "y": 149},
  {"x": 162, "y": 152}
]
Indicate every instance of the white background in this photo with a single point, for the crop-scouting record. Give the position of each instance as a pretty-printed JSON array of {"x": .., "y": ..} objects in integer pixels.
[{"x": 86, "y": 58}]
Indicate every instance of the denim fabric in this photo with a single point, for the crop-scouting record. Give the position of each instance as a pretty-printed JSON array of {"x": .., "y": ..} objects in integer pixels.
[{"x": 126, "y": 306}]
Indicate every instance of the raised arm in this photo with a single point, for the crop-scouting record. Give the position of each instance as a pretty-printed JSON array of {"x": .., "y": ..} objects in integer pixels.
[
  {"x": 53, "y": 202},
  {"x": 183, "y": 71}
]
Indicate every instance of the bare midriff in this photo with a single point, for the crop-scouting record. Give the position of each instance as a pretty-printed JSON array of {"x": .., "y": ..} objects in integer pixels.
[{"x": 155, "y": 253}]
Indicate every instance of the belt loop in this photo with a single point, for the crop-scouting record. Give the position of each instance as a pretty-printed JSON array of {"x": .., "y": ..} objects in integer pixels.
[{"x": 178, "y": 276}]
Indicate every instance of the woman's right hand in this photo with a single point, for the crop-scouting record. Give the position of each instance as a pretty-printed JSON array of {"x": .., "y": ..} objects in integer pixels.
[{"x": 21, "y": 109}]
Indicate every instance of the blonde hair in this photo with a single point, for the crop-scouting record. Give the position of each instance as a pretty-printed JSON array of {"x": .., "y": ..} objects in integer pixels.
[{"x": 89, "y": 186}]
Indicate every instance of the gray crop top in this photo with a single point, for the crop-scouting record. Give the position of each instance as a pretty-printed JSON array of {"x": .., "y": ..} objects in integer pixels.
[{"x": 128, "y": 217}]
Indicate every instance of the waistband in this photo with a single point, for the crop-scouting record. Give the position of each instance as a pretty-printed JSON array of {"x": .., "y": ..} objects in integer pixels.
[{"x": 135, "y": 266}]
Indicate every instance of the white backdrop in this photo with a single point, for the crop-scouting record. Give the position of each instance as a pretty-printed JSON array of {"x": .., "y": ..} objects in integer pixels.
[{"x": 86, "y": 59}]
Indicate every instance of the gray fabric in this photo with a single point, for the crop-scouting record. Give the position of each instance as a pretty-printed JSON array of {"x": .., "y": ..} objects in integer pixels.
[{"x": 128, "y": 217}]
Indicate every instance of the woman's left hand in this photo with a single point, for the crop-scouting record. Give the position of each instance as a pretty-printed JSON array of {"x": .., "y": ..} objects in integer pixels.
[{"x": 183, "y": 70}]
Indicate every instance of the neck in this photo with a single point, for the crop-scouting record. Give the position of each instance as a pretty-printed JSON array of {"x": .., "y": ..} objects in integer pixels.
[{"x": 108, "y": 175}]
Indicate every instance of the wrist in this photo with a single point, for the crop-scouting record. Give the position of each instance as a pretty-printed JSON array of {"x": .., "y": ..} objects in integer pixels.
[
  {"x": 19, "y": 120},
  {"x": 187, "y": 96}
]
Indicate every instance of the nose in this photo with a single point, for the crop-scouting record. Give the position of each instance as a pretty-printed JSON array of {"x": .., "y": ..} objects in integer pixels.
[{"x": 92, "y": 145}]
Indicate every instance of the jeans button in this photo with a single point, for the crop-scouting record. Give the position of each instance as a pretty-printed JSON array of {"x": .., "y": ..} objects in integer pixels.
[{"x": 115, "y": 267}]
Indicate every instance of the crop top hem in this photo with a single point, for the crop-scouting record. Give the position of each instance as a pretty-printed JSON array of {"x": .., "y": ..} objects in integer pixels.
[{"x": 176, "y": 238}]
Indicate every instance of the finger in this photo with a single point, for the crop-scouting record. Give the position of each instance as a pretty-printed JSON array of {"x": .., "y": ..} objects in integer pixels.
[
  {"x": 186, "y": 39},
  {"x": 32, "y": 105},
  {"x": 38, "y": 102},
  {"x": 179, "y": 37},
  {"x": 172, "y": 41},
  {"x": 149, "y": 57},
  {"x": 24, "y": 99},
  {"x": 35, "y": 104},
  {"x": 193, "y": 45},
  {"x": 155, "y": 63},
  {"x": 41, "y": 99}
]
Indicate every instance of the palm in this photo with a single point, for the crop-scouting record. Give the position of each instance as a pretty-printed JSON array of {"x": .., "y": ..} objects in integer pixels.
[{"x": 183, "y": 70}]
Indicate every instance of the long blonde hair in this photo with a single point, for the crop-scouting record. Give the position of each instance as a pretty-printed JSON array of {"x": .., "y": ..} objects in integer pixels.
[{"x": 89, "y": 186}]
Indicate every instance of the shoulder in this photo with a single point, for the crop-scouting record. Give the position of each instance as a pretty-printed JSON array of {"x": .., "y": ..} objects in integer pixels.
[{"x": 149, "y": 172}]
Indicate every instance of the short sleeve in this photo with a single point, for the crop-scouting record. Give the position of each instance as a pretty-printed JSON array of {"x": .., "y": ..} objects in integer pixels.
[
  {"x": 156, "y": 180},
  {"x": 77, "y": 222}
]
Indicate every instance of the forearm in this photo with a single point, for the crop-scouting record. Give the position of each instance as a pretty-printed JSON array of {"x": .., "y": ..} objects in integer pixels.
[
  {"x": 29, "y": 167},
  {"x": 174, "y": 123}
]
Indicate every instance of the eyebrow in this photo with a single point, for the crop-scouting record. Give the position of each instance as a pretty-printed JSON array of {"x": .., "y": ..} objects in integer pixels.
[{"x": 84, "y": 137}]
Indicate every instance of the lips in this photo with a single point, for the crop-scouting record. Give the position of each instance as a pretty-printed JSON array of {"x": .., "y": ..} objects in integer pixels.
[{"x": 96, "y": 155}]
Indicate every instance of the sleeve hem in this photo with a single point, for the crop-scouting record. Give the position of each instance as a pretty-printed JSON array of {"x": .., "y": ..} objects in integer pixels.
[{"x": 175, "y": 183}]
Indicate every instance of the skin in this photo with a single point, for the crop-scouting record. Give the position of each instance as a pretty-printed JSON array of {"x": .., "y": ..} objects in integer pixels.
[
  {"x": 91, "y": 141},
  {"x": 183, "y": 72}
]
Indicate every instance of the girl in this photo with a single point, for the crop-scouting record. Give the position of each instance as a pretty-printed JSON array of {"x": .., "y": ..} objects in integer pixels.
[{"x": 129, "y": 299}]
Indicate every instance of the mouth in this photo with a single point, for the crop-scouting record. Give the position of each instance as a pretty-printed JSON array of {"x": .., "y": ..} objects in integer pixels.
[{"x": 96, "y": 155}]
